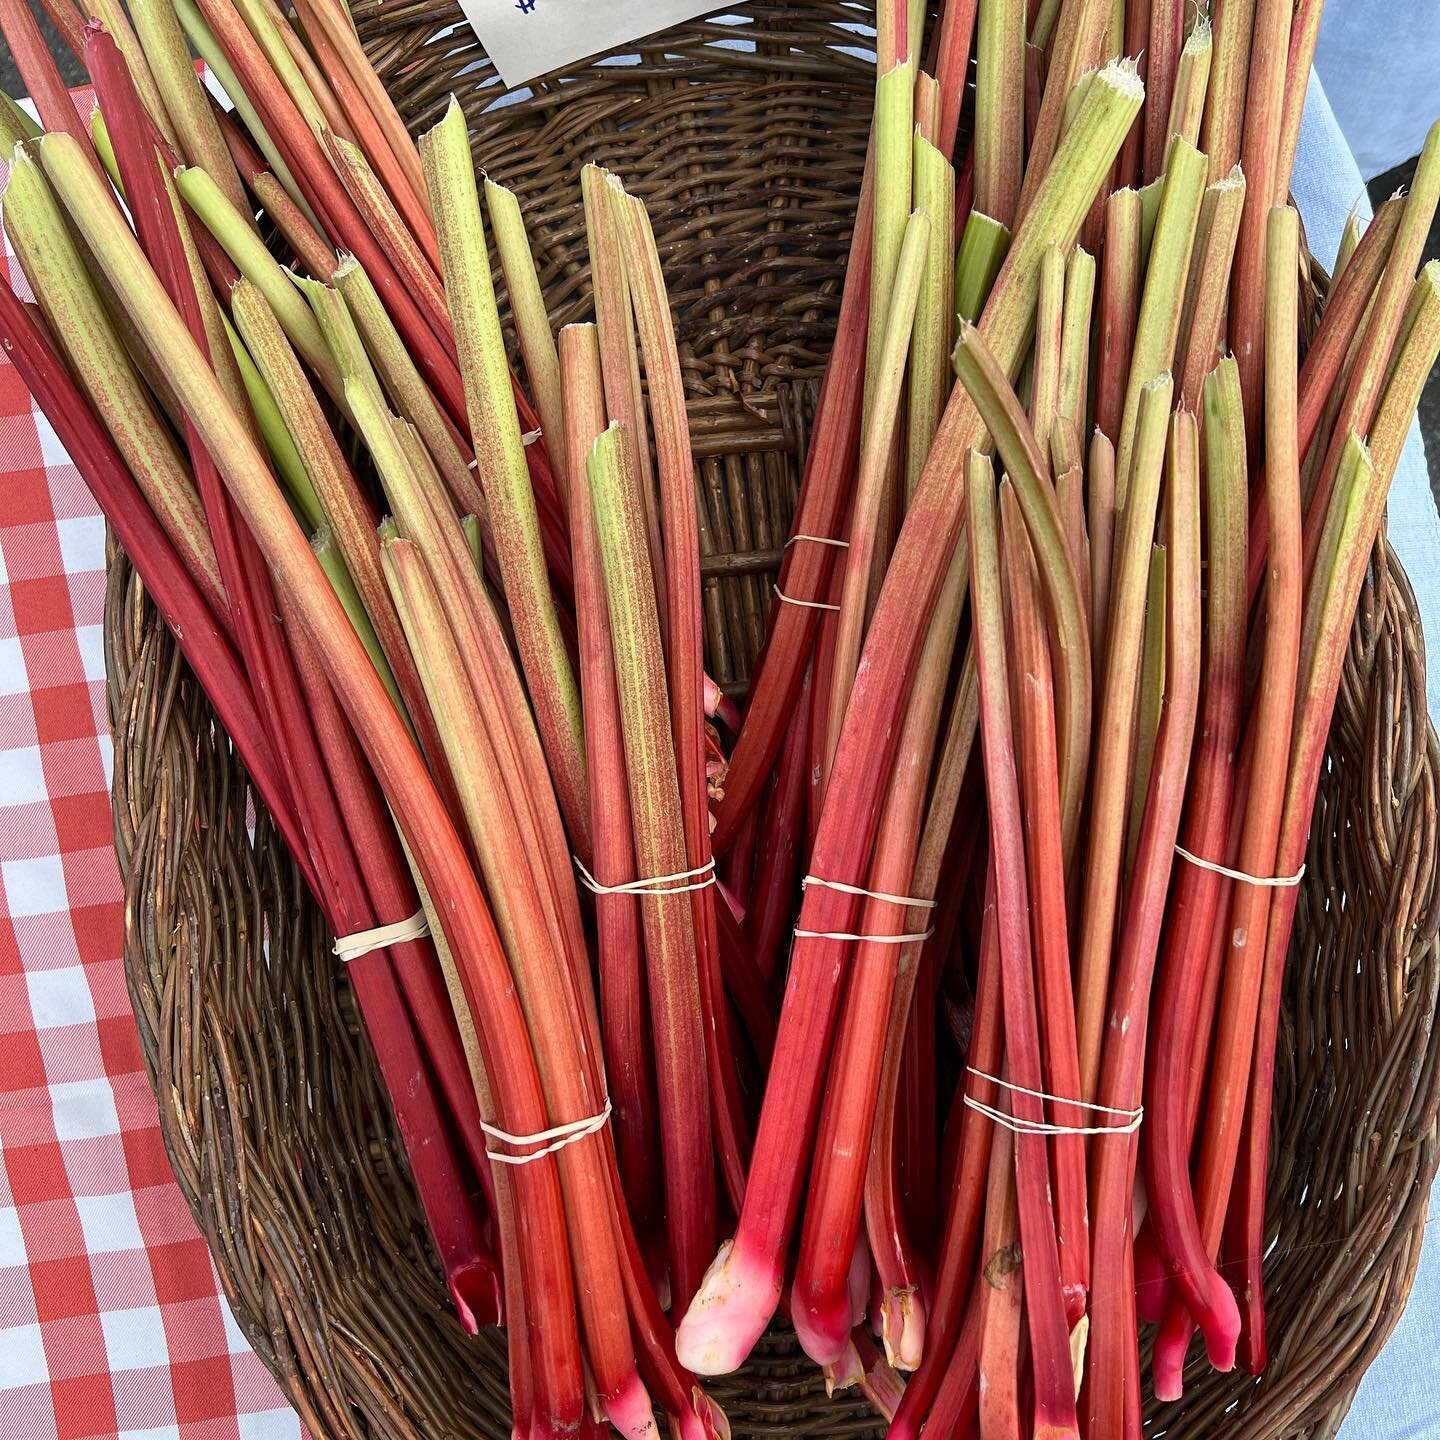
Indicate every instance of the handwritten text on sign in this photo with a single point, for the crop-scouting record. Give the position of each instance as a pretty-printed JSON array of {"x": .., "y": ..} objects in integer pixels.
[{"x": 526, "y": 38}]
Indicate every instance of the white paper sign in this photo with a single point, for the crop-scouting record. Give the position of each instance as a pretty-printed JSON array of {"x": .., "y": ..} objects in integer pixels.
[{"x": 526, "y": 38}]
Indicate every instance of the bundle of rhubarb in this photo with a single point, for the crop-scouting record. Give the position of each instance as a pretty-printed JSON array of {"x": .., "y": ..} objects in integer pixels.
[{"x": 899, "y": 1010}]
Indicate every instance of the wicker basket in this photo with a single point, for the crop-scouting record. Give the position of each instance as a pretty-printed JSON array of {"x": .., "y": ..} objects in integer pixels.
[{"x": 278, "y": 1130}]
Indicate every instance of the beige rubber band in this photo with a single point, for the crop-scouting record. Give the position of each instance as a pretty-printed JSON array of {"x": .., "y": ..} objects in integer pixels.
[
  {"x": 363, "y": 942},
  {"x": 870, "y": 939},
  {"x": 1040, "y": 1127},
  {"x": 1274, "y": 882},
  {"x": 559, "y": 1137},
  {"x": 1016, "y": 1125},
  {"x": 818, "y": 540},
  {"x": 808, "y": 604},
  {"x": 701, "y": 877},
  {"x": 907, "y": 900}
]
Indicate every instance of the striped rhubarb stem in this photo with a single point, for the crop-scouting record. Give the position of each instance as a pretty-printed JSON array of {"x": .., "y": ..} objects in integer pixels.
[
  {"x": 1192, "y": 82},
  {"x": 1110, "y": 784},
  {"x": 1200, "y": 342},
  {"x": 407, "y": 389},
  {"x": 557, "y": 1029},
  {"x": 1265, "y": 63},
  {"x": 1033, "y": 701},
  {"x": 1000, "y": 108},
  {"x": 1199, "y": 893},
  {"x": 1100, "y": 525},
  {"x": 858, "y": 1084},
  {"x": 660, "y": 850},
  {"x": 933, "y": 334},
  {"x": 617, "y": 916},
  {"x": 186, "y": 106},
  {"x": 495, "y": 427},
  {"x": 1149, "y": 701},
  {"x": 1304, "y": 34},
  {"x": 1078, "y": 41},
  {"x": 1112, "y": 1360},
  {"x": 1163, "y": 44},
  {"x": 1121, "y": 275},
  {"x": 1001, "y": 1291},
  {"x": 1168, "y": 267},
  {"x": 1383, "y": 327},
  {"x": 1054, "y": 1403},
  {"x": 41, "y": 75},
  {"x": 245, "y": 248},
  {"x": 1073, "y": 401},
  {"x": 983, "y": 375},
  {"x": 1223, "y": 130},
  {"x": 77, "y": 318},
  {"x": 1045, "y": 363},
  {"x": 683, "y": 654},
  {"x": 532, "y": 324},
  {"x": 898, "y": 1267},
  {"x": 887, "y": 371}
]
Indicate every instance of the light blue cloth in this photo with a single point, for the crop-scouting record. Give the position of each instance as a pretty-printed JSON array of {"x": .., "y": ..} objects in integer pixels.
[
  {"x": 1399, "y": 1398},
  {"x": 1380, "y": 57}
]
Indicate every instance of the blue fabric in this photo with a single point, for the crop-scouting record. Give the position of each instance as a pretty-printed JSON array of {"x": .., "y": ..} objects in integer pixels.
[{"x": 1399, "y": 1398}]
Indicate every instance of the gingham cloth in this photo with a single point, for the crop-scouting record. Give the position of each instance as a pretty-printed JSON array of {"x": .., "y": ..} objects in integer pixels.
[{"x": 111, "y": 1319}]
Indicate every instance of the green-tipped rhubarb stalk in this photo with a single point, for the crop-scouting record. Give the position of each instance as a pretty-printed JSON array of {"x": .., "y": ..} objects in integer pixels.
[
  {"x": 1180, "y": 1008},
  {"x": 660, "y": 849},
  {"x": 1164, "y": 295},
  {"x": 933, "y": 335},
  {"x": 1265, "y": 63},
  {"x": 617, "y": 915},
  {"x": 557, "y": 1030},
  {"x": 254, "y": 261},
  {"x": 406, "y": 387},
  {"x": 1121, "y": 277},
  {"x": 532, "y": 324},
  {"x": 194, "y": 130},
  {"x": 981, "y": 372},
  {"x": 1199, "y": 345},
  {"x": 1045, "y": 364},
  {"x": 77, "y": 318},
  {"x": 1192, "y": 80},
  {"x": 500, "y": 452},
  {"x": 982, "y": 252},
  {"x": 1045, "y": 1309},
  {"x": 1000, "y": 108},
  {"x": 1113, "y": 1361},
  {"x": 888, "y": 372},
  {"x": 1109, "y": 793},
  {"x": 1223, "y": 130},
  {"x": 1073, "y": 398}
]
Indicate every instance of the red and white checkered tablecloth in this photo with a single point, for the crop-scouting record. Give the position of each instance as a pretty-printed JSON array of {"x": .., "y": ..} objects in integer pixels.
[{"x": 111, "y": 1318}]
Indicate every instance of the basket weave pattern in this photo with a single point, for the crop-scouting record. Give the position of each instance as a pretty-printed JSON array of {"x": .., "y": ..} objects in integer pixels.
[{"x": 278, "y": 1129}]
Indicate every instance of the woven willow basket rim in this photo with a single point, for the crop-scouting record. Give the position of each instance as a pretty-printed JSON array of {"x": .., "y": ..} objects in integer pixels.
[{"x": 270, "y": 1105}]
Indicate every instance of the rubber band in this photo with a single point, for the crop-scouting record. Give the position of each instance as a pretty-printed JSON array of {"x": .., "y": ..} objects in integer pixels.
[
  {"x": 818, "y": 540},
  {"x": 1058, "y": 1099},
  {"x": 808, "y": 604},
  {"x": 1019, "y": 1126},
  {"x": 659, "y": 885},
  {"x": 559, "y": 1137},
  {"x": 363, "y": 942},
  {"x": 870, "y": 939},
  {"x": 908, "y": 901},
  {"x": 1274, "y": 882}
]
